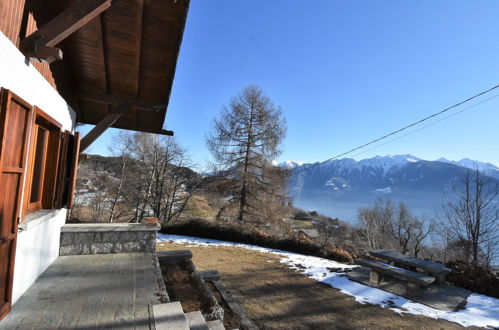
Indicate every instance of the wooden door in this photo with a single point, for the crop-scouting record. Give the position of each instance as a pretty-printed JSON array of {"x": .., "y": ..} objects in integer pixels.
[{"x": 15, "y": 123}]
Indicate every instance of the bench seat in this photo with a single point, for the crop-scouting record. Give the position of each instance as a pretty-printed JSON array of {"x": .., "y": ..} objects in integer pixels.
[
  {"x": 404, "y": 274},
  {"x": 435, "y": 269}
]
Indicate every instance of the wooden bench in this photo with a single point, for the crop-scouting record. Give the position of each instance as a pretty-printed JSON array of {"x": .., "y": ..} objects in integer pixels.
[
  {"x": 378, "y": 270},
  {"x": 435, "y": 269}
]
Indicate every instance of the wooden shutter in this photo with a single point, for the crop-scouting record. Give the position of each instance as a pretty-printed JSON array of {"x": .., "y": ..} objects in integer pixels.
[
  {"x": 62, "y": 174},
  {"x": 16, "y": 118},
  {"x": 74, "y": 169}
]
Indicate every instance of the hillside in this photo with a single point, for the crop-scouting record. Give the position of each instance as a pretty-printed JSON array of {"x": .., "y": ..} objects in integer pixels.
[{"x": 280, "y": 289}]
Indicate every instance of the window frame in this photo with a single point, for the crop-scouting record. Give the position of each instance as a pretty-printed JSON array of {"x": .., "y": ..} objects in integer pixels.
[{"x": 48, "y": 181}]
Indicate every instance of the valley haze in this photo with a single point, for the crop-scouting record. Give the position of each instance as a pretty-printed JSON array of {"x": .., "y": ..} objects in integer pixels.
[{"x": 338, "y": 188}]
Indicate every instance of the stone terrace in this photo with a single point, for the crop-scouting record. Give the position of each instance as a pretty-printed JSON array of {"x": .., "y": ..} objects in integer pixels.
[{"x": 119, "y": 289}]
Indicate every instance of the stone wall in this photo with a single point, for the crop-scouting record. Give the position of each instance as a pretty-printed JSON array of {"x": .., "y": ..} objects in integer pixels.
[{"x": 77, "y": 239}]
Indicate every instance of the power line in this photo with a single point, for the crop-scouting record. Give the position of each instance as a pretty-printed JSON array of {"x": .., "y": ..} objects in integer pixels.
[
  {"x": 428, "y": 125},
  {"x": 414, "y": 124}
]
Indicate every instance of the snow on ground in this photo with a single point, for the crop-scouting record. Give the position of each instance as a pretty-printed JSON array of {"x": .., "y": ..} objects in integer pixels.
[{"x": 481, "y": 311}]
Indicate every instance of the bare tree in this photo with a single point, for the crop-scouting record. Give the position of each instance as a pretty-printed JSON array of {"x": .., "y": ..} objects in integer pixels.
[
  {"x": 244, "y": 141},
  {"x": 403, "y": 227},
  {"x": 410, "y": 231},
  {"x": 421, "y": 229},
  {"x": 326, "y": 228},
  {"x": 377, "y": 224},
  {"x": 472, "y": 215},
  {"x": 161, "y": 180},
  {"x": 121, "y": 150}
]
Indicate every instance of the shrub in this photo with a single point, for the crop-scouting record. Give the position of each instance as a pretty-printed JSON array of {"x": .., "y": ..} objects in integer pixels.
[
  {"x": 302, "y": 215},
  {"x": 239, "y": 234},
  {"x": 474, "y": 278},
  {"x": 258, "y": 232},
  {"x": 339, "y": 255}
]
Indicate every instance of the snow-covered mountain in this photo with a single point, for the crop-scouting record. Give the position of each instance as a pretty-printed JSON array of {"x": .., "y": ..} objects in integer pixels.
[
  {"x": 338, "y": 187},
  {"x": 289, "y": 164},
  {"x": 487, "y": 168}
]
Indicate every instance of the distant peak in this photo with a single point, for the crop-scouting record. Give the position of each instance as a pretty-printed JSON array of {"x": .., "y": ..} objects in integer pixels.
[{"x": 289, "y": 164}]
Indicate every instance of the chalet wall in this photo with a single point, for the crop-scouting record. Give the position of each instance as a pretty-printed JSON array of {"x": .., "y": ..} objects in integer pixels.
[
  {"x": 37, "y": 248},
  {"x": 23, "y": 79},
  {"x": 38, "y": 242}
]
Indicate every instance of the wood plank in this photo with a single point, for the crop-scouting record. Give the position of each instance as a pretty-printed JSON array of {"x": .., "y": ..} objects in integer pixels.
[
  {"x": 138, "y": 56},
  {"x": 396, "y": 272},
  {"x": 430, "y": 266},
  {"x": 74, "y": 170}
]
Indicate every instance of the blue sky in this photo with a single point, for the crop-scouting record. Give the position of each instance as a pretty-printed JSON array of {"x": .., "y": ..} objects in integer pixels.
[{"x": 344, "y": 72}]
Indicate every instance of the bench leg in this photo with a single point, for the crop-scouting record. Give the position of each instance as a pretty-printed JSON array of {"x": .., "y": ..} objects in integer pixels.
[
  {"x": 439, "y": 278},
  {"x": 375, "y": 277},
  {"x": 412, "y": 288}
]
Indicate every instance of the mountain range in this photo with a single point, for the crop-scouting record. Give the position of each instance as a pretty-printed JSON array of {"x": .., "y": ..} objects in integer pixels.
[{"x": 339, "y": 187}]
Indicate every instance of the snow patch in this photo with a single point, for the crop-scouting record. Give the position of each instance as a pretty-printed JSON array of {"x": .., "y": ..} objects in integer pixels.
[{"x": 480, "y": 311}]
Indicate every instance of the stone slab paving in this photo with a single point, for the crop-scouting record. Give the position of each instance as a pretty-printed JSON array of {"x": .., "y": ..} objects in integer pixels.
[
  {"x": 102, "y": 291},
  {"x": 444, "y": 297}
]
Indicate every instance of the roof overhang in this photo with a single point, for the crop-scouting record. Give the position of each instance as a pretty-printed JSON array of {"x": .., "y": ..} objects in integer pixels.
[{"x": 124, "y": 58}]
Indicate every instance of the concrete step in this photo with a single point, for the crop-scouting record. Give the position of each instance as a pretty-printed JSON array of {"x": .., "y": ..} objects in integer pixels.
[
  {"x": 174, "y": 256},
  {"x": 215, "y": 325},
  {"x": 196, "y": 321},
  {"x": 210, "y": 275},
  {"x": 170, "y": 316}
]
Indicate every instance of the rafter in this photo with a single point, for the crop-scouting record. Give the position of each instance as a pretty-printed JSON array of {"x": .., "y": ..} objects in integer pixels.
[
  {"x": 138, "y": 46},
  {"x": 101, "y": 127},
  {"x": 106, "y": 123},
  {"x": 39, "y": 46},
  {"x": 117, "y": 100}
]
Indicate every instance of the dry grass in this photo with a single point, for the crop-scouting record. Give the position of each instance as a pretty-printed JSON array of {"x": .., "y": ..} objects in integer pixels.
[
  {"x": 278, "y": 298},
  {"x": 198, "y": 207},
  {"x": 301, "y": 224}
]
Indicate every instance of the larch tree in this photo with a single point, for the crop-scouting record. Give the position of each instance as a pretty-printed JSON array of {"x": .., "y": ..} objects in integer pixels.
[{"x": 244, "y": 142}]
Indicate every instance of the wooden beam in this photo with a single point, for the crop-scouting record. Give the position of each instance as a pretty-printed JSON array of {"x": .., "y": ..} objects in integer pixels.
[
  {"x": 101, "y": 127},
  {"x": 138, "y": 43},
  {"x": 117, "y": 100},
  {"x": 138, "y": 47},
  {"x": 43, "y": 53},
  {"x": 102, "y": 58},
  {"x": 166, "y": 132},
  {"x": 38, "y": 44}
]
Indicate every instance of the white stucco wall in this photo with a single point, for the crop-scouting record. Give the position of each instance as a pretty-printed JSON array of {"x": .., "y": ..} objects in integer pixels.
[
  {"x": 24, "y": 80},
  {"x": 37, "y": 246}
]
